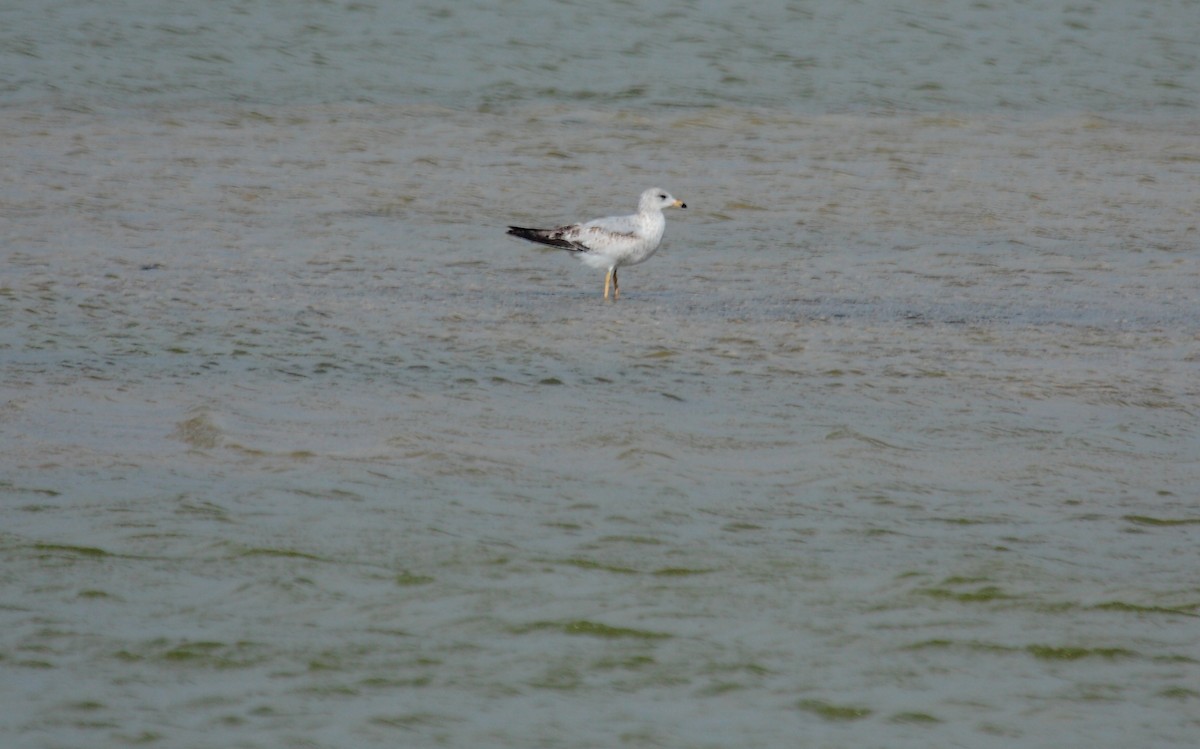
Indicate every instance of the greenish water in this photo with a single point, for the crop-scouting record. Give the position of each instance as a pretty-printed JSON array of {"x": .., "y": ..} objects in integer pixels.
[{"x": 893, "y": 444}]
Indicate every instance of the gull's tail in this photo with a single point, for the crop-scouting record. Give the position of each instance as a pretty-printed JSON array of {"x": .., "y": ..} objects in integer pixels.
[{"x": 551, "y": 237}]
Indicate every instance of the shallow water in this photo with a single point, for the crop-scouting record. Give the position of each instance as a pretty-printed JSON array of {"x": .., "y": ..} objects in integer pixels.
[{"x": 893, "y": 444}]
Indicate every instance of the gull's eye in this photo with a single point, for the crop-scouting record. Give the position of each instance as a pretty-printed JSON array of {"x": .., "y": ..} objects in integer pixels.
[{"x": 662, "y": 197}]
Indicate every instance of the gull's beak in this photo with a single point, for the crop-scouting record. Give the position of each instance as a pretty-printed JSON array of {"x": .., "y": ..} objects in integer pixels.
[{"x": 679, "y": 204}]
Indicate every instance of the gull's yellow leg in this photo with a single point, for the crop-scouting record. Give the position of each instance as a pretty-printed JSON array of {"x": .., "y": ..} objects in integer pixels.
[
  {"x": 607, "y": 277},
  {"x": 616, "y": 289}
]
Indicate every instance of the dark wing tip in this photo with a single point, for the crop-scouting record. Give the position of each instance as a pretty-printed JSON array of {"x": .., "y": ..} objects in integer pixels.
[{"x": 543, "y": 236}]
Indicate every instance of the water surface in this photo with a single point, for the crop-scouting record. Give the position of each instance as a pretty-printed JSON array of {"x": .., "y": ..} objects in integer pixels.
[{"x": 893, "y": 444}]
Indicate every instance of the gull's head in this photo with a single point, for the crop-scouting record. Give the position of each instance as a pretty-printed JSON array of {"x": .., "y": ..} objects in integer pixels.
[{"x": 656, "y": 199}]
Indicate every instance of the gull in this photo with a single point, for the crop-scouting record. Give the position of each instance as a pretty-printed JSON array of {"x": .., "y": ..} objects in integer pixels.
[{"x": 614, "y": 241}]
